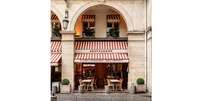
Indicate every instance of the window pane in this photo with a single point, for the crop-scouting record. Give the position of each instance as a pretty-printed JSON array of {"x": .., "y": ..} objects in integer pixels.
[
  {"x": 109, "y": 24},
  {"x": 116, "y": 25},
  {"x": 85, "y": 25},
  {"x": 92, "y": 24}
]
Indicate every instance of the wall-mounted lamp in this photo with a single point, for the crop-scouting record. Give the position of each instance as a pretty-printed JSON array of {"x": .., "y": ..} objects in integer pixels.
[{"x": 65, "y": 20}]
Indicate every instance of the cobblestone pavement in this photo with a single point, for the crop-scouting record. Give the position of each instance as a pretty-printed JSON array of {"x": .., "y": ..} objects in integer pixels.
[{"x": 103, "y": 97}]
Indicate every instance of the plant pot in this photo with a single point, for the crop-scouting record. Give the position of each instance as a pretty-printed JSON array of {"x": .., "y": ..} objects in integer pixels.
[
  {"x": 132, "y": 89},
  {"x": 140, "y": 88},
  {"x": 80, "y": 89},
  {"x": 107, "y": 89},
  {"x": 65, "y": 89}
]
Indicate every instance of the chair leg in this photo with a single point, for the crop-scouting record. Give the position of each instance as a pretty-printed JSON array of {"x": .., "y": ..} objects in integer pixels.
[
  {"x": 113, "y": 87},
  {"x": 87, "y": 87}
]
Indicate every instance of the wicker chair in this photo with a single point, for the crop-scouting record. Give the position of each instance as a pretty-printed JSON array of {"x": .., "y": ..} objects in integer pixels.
[
  {"x": 82, "y": 85},
  {"x": 119, "y": 86},
  {"x": 91, "y": 85},
  {"x": 110, "y": 85},
  {"x": 95, "y": 86}
]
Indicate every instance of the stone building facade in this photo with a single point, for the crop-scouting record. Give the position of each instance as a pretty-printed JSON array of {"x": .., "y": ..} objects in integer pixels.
[{"x": 135, "y": 18}]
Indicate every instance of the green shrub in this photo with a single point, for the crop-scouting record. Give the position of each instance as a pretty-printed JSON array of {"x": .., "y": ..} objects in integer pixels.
[
  {"x": 140, "y": 81},
  {"x": 114, "y": 32},
  {"x": 65, "y": 82}
]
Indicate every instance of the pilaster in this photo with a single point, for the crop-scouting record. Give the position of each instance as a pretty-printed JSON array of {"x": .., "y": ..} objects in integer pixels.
[
  {"x": 68, "y": 56},
  {"x": 136, "y": 54}
]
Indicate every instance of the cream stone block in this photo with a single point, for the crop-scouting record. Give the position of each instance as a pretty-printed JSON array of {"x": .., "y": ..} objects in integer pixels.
[
  {"x": 123, "y": 28},
  {"x": 138, "y": 35},
  {"x": 100, "y": 25},
  {"x": 67, "y": 37}
]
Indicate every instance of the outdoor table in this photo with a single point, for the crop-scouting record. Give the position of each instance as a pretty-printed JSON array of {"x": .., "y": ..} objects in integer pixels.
[
  {"x": 86, "y": 82},
  {"x": 115, "y": 82}
]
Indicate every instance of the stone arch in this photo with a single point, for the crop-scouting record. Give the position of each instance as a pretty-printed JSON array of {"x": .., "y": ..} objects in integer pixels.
[{"x": 117, "y": 8}]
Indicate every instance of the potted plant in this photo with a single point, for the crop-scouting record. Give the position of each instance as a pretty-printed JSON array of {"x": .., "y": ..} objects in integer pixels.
[
  {"x": 56, "y": 31},
  {"x": 114, "y": 32},
  {"x": 89, "y": 32},
  {"x": 140, "y": 85},
  {"x": 65, "y": 87}
]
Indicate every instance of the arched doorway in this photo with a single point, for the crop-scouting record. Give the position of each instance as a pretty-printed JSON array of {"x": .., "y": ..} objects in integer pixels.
[{"x": 101, "y": 46}]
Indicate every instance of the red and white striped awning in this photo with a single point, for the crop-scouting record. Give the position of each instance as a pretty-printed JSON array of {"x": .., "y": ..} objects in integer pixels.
[
  {"x": 55, "y": 58},
  {"x": 101, "y": 45},
  {"x": 56, "y": 46},
  {"x": 88, "y": 18},
  {"x": 104, "y": 51},
  {"x": 55, "y": 53},
  {"x": 101, "y": 57},
  {"x": 113, "y": 18}
]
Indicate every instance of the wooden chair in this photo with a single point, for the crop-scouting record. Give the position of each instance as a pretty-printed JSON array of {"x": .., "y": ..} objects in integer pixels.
[
  {"x": 95, "y": 86},
  {"x": 119, "y": 86},
  {"x": 105, "y": 82},
  {"x": 91, "y": 85},
  {"x": 110, "y": 84},
  {"x": 82, "y": 85}
]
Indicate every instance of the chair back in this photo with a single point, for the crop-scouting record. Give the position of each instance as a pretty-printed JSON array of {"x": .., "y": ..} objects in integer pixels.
[
  {"x": 92, "y": 81},
  {"x": 121, "y": 81},
  {"x": 80, "y": 81},
  {"x": 108, "y": 82}
]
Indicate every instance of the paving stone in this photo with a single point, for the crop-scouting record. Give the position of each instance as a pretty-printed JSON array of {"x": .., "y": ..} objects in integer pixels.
[{"x": 103, "y": 97}]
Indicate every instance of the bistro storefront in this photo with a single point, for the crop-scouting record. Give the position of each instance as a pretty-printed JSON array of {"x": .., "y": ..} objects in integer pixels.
[
  {"x": 101, "y": 60},
  {"x": 101, "y": 41}
]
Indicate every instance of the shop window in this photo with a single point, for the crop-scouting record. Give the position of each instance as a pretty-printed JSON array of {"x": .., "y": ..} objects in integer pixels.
[
  {"x": 56, "y": 27},
  {"x": 113, "y": 25},
  {"x": 88, "y": 26},
  {"x": 114, "y": 71},
  {"x": 88, "y": 70}
]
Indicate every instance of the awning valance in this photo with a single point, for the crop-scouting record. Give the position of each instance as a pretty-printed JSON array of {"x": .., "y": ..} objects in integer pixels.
[
  {"x": 88, "y": 18},
  {"x": 101, "y": 57},
  {"x": 113, "y": 18}
]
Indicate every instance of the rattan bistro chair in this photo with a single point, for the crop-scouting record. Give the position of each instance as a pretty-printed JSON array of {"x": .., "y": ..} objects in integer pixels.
[
  {"x": 83, "y": 87},
  {"x": 91, "y": 85},
  {"x": 119, "y": 86},
  {"x": 95, "y": 80},
  {"x": 110, "y": 85}
]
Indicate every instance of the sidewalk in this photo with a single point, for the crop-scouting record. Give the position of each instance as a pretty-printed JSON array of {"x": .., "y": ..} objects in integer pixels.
[{"x": 103, "y": 97}]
